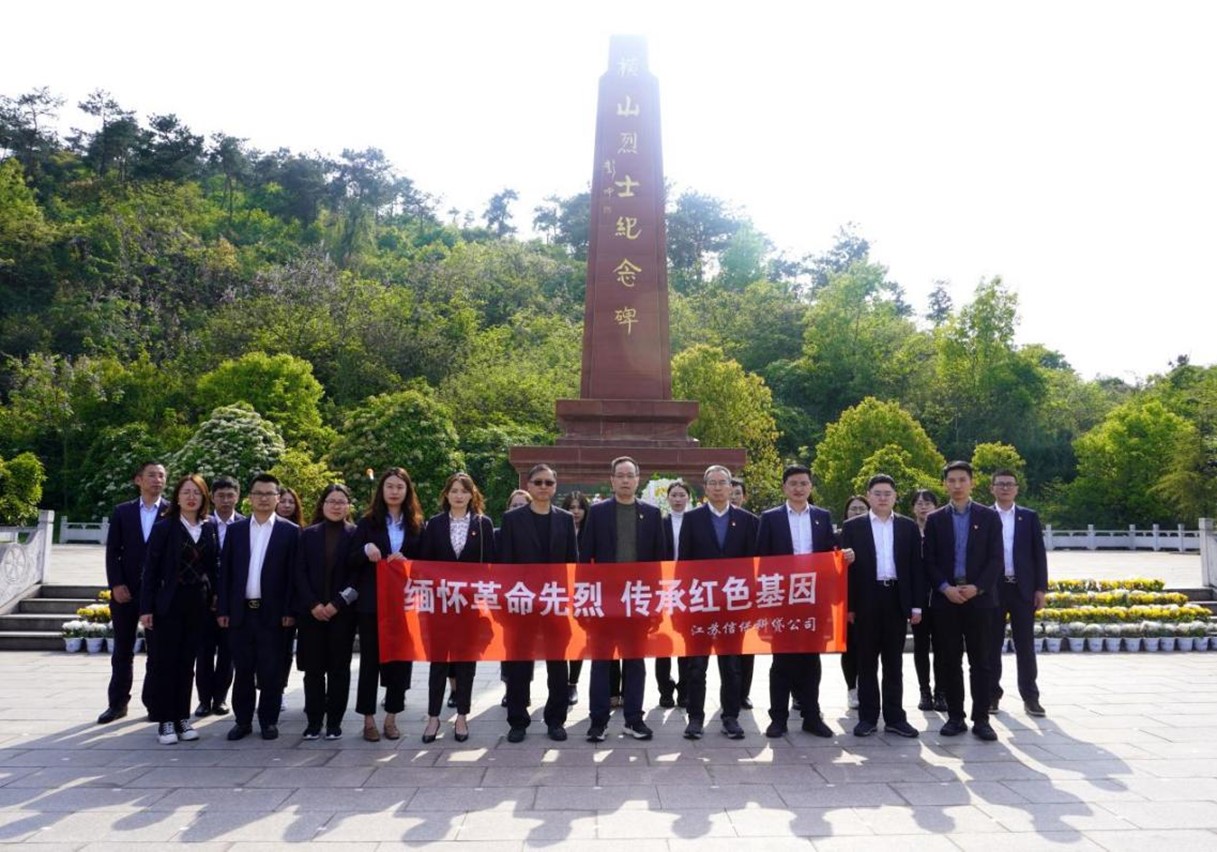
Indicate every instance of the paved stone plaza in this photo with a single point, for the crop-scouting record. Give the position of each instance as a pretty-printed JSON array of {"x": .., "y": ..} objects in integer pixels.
[{"x": 1127, "y": 759}]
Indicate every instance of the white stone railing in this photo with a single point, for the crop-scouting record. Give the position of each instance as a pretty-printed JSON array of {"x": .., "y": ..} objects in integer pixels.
[
  {"x": 25, "y": 553},
  {"x": 93, "y": 532},
  {"x": 1179, "y": 539}
]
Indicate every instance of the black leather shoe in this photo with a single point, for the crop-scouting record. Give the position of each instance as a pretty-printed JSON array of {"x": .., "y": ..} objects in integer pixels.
[
  {"x": 940, "y": 703},
  {"x": 903, "y": 729},
  {"x": 776, "y": 729},
  {"x": 984, "y": 731},
  {"x": 817, "y": 727},
  {"x": 865, "y": 729},
  {"x": 111, "y": 714},
  {"x": 693, "y": 730},
  {"x": 667, "y": 698},
  {"x": 270, "y": 732},
  {"x": 219, "y": 709},
  {"x": 1034, "y": 708},
  {"x": 953, "y": 728},
  {"x": 746, "y": 704},
  {"x": 557, "y": 733},
  {"x": 202, "y": 710},
  {"x": 516, "y": 735},
  {"x": 732, "y": 729},
  {"x": 927, "y": 700},
  {"x": 239, "y": 732}
]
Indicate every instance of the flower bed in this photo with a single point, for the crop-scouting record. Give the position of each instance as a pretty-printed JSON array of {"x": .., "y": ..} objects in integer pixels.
[{"x": 1129, "y": 615}]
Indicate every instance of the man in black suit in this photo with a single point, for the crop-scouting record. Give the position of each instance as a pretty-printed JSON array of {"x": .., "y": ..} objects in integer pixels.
[
  {"x": 747, "y": 662},
  {"x": 622, "y": 529},
  {"x": 792, "y": 529},
  {"x": 256, "y": 581},
  {"x": 716, "y": 530},
  {"x": 963, "y": 561},
  {"x": 126, "y": 542},
  {"x": 213, "y": 668},
  {"x": 537, "y": 533},
  {"x": 885, "y": 588},
  {"x": 1021, "y": 592}
]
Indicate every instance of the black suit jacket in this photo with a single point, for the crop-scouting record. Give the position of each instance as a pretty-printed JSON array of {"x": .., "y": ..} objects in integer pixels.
[
  {"x": 1030, "y": 555},
  {"x": 278, "y": 571},
  {"x": 599, "y": 535},
  {"x": 698, "y": 541},
  {"x": 863, "y": 573},
  {"x": 983, "y": 561},
  {"x": 436, "y": 542},
  {"x": 125, "y": 545},
  {"x": 519, "y": 545},
  {"x": 310, "y": 570},
  {"x": 773, "y": 532},
  {"x": 368, "y": 531},
  {"x": 161, "y": 561}
]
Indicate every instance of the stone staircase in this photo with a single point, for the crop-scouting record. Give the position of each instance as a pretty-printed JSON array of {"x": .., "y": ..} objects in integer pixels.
[{"x": 35, "y": 624}]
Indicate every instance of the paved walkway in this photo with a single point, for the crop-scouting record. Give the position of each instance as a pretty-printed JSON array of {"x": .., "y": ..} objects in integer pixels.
[{"x": 1127, "y": 759}]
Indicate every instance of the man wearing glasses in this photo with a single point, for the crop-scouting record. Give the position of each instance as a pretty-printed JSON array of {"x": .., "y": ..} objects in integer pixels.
[
  {"x": 622, "y": 529},
  {"x": 537, "y": 533},
  {"x": 256, "y": 573},
  {"x": 1021, "y": 592}
]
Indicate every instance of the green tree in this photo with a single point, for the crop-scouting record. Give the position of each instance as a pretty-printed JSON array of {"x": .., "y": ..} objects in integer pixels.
[
  {"x": 113, "y": 458},
  {"x": 1122, "y": 463},
  {"x": 736, "y": 410},
  {"x": 410, "y": 429},
  {"x": 897, "y": 463},
  {"x": 280, "y": 387},
  {"x": 498, "y": 213},
  {"x": 234, "y": 440},
  {"x": 699, "y": 229},
  {"x": 862, "y": 431},
  {"x": 297, "y": 470},
  {"x": 21, "y": 479},
  {"x": 992, "y": 456}
]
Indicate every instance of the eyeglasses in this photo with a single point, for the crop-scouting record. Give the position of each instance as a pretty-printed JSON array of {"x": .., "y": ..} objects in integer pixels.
[
  {"x": 264, "y": 494},
  {"x": 546, "y": 483},
  {"x": 1005, "y": 485},
  {"x": 337, "y": 502}
]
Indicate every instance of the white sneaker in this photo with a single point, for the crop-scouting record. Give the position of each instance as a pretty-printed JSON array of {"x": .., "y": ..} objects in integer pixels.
[
  {"x": 852, "y": 700},
  {"x": 186, "y": 732},
  {"x": 165, "y": 734}
]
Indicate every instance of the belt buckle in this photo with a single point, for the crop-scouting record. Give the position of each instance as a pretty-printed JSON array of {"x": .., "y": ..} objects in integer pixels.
[
  {"x": 887, "y": 583},
  {"x": 1012, "y": 580},
  {"x": 253, "y": 603},
  {"x": 961, "y": 581}
]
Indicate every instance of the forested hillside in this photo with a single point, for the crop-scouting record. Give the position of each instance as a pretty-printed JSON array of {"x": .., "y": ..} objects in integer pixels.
[{"x": 228, "y": 309}]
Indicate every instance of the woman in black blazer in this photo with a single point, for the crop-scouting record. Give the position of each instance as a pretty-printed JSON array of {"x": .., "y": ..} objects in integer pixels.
[
  {"x": 389, "y": 530},
  {"x": 324, "y": 594},
  {"x": 181, "y": 565},
  {"x": 459, "y": 533}
]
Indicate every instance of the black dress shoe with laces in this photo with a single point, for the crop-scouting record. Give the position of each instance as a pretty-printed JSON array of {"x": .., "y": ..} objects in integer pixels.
[
  {"x": 239, "y": 732},
  {"x": 984, "y": 731},
  {"x": 111, "y": 714},
  {"x": 1034, "y": 708},
  {"x": 202, "y": 710},
  {"x": 953, "y": 728}
]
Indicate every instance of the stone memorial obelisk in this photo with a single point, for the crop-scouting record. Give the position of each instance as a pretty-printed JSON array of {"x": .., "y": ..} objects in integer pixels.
[{"x": 625, "y": 405}]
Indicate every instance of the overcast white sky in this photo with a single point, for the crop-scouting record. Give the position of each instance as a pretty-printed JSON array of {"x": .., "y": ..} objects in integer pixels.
[{"x": 1067, "y": 146}]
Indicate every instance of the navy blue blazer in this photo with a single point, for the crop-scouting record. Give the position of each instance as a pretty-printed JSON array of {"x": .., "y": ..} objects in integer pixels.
[
  {"x": 669, "y": 538},
  {"x": 161, "y": 561},
  {"x": 519, "y": 545},
  {"x": 278, "y": 571},
  {"x": 436, "y": 541},
  {"x": 599, "y": 535},
  {"x": 1030, "y": 555},
  {"x": 367, "y": 531},
  {"x": 863, "y": 573},
  {"x": 983, "y": 561},
  {"x": 310, "y": 569},
  {"x": 125, "y": 545},
  {"x": 698, "y": 541},
  {"x": 773, "y": 533}
]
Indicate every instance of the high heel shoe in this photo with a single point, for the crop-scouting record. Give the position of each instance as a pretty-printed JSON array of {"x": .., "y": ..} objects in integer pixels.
[
  {"x": 458, "y": 736},
  {"x": 430, "y": 735}
]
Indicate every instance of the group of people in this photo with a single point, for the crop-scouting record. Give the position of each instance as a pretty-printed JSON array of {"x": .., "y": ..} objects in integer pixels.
[{"x": 224, "y": 598}]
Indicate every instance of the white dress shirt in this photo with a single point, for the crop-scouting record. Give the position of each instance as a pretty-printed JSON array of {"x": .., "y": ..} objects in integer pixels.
[
  {"x": 259, "y": 540},
  {"x": 884, "y": 532},
  {"x": 800, "y": 528},
  {"x": 148, "y": 516},
  {"x": 1007, "y": 537}
]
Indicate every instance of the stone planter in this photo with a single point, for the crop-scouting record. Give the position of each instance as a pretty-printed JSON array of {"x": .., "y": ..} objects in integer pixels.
[
  {"x": 1184, "y": 643},
  {"x": 1094, "y": 644},
  {"x": 1133, "y": 644},
  {"x": 1151, "y": 643},
  {"x": 94, "y": 644},
  {"x": 72, "y": 644},
  {"x": 1111, "y": 643},
  {"x": 1202, "y": 643},
  {"x": 1167, "y": 643},
  {"x": 1077, "y": 643},
  {"x": 1052, "y": 644}
]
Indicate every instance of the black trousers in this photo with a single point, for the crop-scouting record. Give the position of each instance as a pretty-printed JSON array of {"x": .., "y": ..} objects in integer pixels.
[
  {"x": 923, "y": 644},
  {"x": 849, "y": 660},
  {"x": 730, "y": 692},
  {"x": 957, "y": 625},
  {"x": 519, "y": 679},
  {"x": 798, "y": 675},
  {"x": 125, "y": 618},
  {"x": 576, "y": 668},
  {"x": 437, "y": 685},
  {"x": 1022, "y": 631},
  {"x": 257, "y": 658},
  {"x": 289, "y": 642},
  {"x": 879, "y": 631},
  {"x": 323, "y": 653},
  {"x": 171, "y": 660},
  {"x": 394, "y": 677},
  {"x": 747, "y": 664},
  {"x": 213, "y": 666},
  {"x": 663, "y": 673}
]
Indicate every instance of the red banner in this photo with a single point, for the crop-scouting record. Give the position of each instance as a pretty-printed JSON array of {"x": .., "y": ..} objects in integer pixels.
[{"x": 451, "y": 611}]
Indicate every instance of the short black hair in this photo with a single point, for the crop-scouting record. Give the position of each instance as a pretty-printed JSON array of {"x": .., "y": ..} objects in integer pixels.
[
  {"x": 622, "y": 460},
  {"x": 144, "y": 465},
  {"x": 795, "y": 470},
  {"x": 958, "y": 465},
  {"x": 264, "y": 477},
  {"x": 537, "y": 468},
  {"x": 222, "y": 482},
  {"x": 879, "y": 479},
  {"x": 1005, "y": 471},
  {"x": 737, "y": 481}
]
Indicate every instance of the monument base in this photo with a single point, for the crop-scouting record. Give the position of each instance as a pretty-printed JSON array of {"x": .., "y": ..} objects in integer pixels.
[{"x": 626, "y": 422}]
